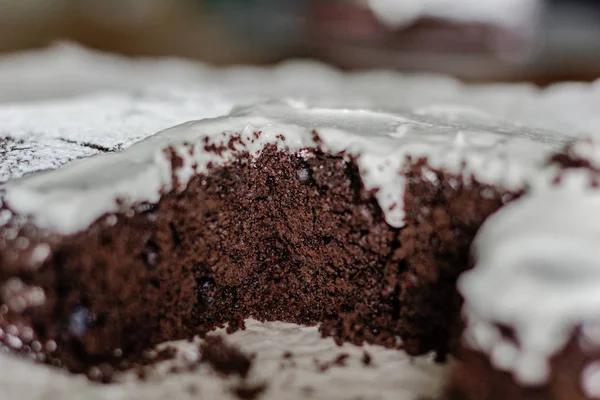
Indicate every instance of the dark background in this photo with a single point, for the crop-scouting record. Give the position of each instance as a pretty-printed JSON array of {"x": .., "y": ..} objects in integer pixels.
[{"x": 563, "y": 43}]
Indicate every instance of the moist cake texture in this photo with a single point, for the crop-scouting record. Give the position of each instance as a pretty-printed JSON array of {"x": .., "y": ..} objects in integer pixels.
[{"x": 360, "y": 219}]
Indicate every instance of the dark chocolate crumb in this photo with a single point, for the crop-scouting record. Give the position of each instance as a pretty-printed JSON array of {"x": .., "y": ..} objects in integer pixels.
[
  {"x": 235, "y": 325},
  {"x": 168, "y": 353},
  {"x": 316, "y": 138},
  {"x": 288, "y": 360},
  {"x": 192, "y": 389},
  {"x": 341, "y": 359},
  {"x": 223, "y": 358},
  {"x": 321, "y": 366},
  {"x": 366, "y": 359},
  {"x": 213, "y": 148},
  {"x": 231, "y": 145},
  {"x": 568, "y": 160},
  {"x": 246, "y": 391}
]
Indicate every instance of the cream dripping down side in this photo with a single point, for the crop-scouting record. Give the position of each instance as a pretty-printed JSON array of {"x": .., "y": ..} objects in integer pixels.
[
  {"x": 69, "y": 199},
  {"x": 538, "y": 272}
]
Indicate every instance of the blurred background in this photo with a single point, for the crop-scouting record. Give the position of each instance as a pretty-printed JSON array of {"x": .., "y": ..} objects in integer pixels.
[{"x": 477, "y": 40}]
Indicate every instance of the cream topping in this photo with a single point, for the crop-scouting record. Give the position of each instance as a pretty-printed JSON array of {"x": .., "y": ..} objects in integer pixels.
[{"x": 538, "y": 272}]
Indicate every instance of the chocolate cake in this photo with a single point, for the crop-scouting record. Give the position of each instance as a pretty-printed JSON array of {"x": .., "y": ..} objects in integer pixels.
[{"x": 359, "y": 219}]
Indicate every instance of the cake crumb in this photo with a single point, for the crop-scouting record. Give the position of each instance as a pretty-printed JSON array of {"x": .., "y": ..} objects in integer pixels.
[
  {"x": 339, "y": 361},
  {"x": 103, "y": 373},
  {"x": 287, "y": 360},
  {"x": 141, "y": 373},
  {"x": 149, "y": 359},
  {"x": 316, "y": 138},
  {"x": 246, "y": 391},
  {"x": 224, "y": 358},
  {"x": 367, "y": 359},
  {"x": 156, "y": 356}
]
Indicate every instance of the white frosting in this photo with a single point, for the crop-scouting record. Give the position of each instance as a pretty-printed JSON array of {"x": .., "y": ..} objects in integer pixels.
[
  {"x": 393, "y": 375},
  {"x": 47, "y": 134},
  {"x": 157, "y": 85},
  {"x": 508, "y": 13},
  {"x": 538, "y": 272},
  {"x": 70, "y": 199}
]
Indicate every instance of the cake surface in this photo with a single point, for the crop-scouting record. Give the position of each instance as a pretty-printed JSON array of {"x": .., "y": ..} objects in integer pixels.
[{"x": 409, "y": 180}]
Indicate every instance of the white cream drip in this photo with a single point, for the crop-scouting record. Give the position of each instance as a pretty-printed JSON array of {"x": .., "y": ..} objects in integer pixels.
[{"x": 69, "y": 199}]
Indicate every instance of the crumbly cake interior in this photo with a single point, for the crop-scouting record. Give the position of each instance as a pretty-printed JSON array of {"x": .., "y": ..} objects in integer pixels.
[{"x": 286, "y": 236}]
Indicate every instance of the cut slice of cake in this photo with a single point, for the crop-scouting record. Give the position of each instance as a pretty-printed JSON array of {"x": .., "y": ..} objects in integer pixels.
[{"x": 359, "y": 220}]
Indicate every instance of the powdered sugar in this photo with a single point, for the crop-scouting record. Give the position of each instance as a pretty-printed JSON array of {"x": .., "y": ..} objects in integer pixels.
[{"x": 46, "y": 134}]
